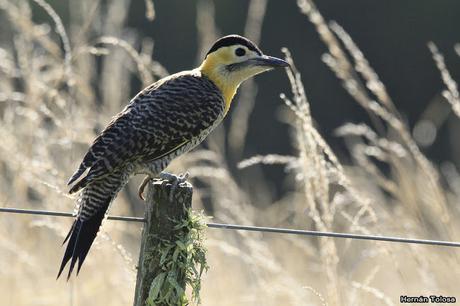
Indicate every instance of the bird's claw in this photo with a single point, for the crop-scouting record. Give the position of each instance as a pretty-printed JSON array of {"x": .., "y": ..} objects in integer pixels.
[{"x": 174, "y": 180}]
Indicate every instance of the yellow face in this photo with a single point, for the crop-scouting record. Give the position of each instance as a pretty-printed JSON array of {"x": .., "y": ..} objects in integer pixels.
[{"x": 229, "y": 66}]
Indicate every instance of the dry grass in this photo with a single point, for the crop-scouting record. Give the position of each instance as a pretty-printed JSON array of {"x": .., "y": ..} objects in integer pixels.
[{"x": 53, "y": 101}]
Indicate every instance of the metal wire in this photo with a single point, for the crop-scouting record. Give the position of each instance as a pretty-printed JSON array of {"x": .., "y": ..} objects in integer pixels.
[
  {"x": 333, "y": 234},
  {"x": 63, "y": 214},
  {"x": 253, "y": 228}
]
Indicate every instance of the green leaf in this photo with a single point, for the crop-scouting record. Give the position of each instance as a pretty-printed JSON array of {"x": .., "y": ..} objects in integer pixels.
[
  {"x": 179, "y": 290},
  {"x": 155, "y": 288},
  {"x": 181, "y": 245}
]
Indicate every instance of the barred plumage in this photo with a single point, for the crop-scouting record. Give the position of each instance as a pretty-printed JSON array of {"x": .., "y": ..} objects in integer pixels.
[
  {"x": 163, "y": 121},
  {"x": 163, "y": 118}
]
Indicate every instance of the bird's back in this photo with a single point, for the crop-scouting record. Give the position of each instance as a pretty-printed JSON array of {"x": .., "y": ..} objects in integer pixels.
[{"x": 168, "y": 115}]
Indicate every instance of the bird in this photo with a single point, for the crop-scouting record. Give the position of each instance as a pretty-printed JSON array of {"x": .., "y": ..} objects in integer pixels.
[{"x": 163, "y": 121}]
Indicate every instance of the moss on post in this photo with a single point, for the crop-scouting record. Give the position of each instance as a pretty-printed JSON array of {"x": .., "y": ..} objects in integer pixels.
[{"x": 172, "y": 255}]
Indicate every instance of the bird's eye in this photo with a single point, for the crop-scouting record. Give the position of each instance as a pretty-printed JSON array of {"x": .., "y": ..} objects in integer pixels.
[{"x": 240, "y": 52}]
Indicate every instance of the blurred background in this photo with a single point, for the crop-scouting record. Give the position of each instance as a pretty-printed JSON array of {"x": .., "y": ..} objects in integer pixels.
[{"x": 371, "y": 148}]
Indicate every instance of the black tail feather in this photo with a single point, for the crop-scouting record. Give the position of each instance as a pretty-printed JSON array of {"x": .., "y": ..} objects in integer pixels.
[
  {"x": 94, "y": 200},
  {"x": 70, "y": 232},
  {"x": 82, "y": 235}
]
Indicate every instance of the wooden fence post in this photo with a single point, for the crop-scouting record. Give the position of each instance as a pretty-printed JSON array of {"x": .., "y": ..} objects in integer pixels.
[{"x": 163, "y": 216}]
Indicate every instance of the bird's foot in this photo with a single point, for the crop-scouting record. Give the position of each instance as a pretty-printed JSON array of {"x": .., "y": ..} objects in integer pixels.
[
  {"x": 174, "y": 180},
  {"x": 144, "y": 183}
]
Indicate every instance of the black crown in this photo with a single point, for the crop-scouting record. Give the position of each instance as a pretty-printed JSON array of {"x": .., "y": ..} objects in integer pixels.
[{"x": 231, "y": 40}]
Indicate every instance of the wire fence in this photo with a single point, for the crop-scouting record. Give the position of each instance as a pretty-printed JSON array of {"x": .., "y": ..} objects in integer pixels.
[{"x": 252, "y": 228}]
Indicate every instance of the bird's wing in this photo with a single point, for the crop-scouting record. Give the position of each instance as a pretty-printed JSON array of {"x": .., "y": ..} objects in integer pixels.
[{"x": 159, "y": 120}]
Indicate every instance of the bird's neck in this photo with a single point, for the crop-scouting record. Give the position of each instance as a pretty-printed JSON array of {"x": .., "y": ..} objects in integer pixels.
[{"x": 228, "y": 86}]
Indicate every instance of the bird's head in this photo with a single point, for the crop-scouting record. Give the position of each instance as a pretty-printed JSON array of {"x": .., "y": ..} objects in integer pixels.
[{"x": 233, "y": 59}]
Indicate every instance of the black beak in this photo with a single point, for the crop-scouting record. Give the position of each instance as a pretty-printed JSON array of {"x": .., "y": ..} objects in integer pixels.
[
  {"x": 269, "y": 61},
  {"x": 262, "y": 61}
]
